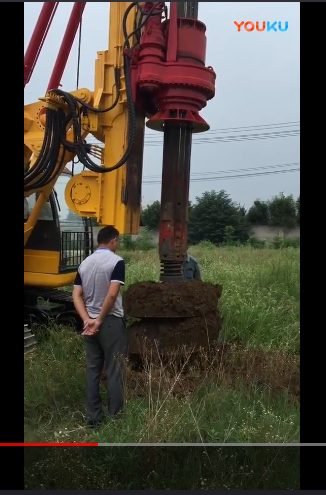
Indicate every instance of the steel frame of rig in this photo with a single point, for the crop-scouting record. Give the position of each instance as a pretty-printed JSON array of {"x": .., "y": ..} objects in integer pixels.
[{"x": 154, "y": 68}]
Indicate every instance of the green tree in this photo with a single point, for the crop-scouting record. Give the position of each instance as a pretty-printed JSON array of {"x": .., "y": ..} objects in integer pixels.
[
  {"x": 282, "y": 211},
  {"x": 258, "y": 213},
  {"x": 242, "y": 211},
  {"x": 298, "y": 210},
  {"x": 150, "y": 216},
  {"x": 214, "y": 216},
  {"x": 229, "y": 235}
]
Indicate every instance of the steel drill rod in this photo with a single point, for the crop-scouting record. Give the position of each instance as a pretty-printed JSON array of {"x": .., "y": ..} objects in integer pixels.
[{"x": 174, "y": 200}]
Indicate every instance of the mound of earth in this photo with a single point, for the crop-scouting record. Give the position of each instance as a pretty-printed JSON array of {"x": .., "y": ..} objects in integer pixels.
[
  {"x": 171, "y": 299},
  {"x": 166, "y": 335}
]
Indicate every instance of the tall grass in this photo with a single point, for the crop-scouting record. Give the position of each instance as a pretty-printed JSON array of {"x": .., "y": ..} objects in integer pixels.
[
  {"x": 246, "y": 391},
  {"x": 161, "y": 468}
]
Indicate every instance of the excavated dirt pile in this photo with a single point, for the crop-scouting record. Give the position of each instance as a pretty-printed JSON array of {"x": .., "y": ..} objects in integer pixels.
[{"x": 172, "y": 314}]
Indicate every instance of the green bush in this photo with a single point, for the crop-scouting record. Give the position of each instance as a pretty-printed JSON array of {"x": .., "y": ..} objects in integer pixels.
[
  {"x": 128, "y": 243},
  {"x": 144, "y": 242},
  {"x": 282, "y": 243},
  {"x": 291, "y": 243},
  {"x": 206, "y": 245},
  {"x": 256, "y": 243}
]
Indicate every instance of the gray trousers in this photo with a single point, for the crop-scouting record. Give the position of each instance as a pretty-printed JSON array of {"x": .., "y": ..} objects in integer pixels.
[{"x": 108, "y": 346}]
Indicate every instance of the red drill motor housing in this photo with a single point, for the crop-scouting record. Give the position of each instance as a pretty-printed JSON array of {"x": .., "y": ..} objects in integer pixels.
[{"x": 169, "y": 70}]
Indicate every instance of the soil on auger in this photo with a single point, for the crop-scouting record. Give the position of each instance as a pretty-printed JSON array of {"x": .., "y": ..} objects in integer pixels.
[
  {"x": 173, "y": 315},
  {"x": 170, "y": 334},
  {"x": 171, "y": 299}
]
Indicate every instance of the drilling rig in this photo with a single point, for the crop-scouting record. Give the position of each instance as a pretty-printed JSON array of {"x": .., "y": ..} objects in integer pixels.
[{"x": 154, "y": 71}]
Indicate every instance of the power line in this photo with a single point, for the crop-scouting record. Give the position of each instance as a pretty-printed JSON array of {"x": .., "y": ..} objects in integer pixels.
[
  {"x": 210, "y": 136},
  {"x": 231, "y": 170},
  {"x": 282, "y": 124},
  {"x": 278, "y": 125},
  {"x": 232, "y": 138},
  {"x": 223, "y": 139},
  {"x": 249, "y": 128},
  {"x": 156, "y": 179},
  {"x": 238, "y": 176}
]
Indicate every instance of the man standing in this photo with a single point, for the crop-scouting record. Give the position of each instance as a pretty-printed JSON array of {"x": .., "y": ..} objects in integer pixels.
[
  {"x": 98, "y": 301},
  {"x": 191, "y": 269}
]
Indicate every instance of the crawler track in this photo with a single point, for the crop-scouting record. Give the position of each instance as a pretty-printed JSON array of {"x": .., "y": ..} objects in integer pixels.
[
  {"x": 45, "y": 306},
  {"x": 29, "y": 339}
]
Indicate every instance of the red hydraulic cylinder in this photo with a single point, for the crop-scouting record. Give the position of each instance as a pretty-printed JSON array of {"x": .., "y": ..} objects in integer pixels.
[
  {"x": 66, "y": 45},
  {"x": 38, "y": 37}
]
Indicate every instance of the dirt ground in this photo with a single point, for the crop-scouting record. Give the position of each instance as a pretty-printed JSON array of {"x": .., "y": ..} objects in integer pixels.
[
  {"x": 225, "y": 365},
  {"x": 177, "y": 332},
  {"x": 167, "y": 334},
  {"x": 171, "y": 299}
]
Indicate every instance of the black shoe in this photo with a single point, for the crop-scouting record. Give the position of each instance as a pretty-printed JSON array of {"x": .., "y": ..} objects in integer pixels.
[
  {"x": 118, "y": 415},
  {"x": 91, "y": 423}
]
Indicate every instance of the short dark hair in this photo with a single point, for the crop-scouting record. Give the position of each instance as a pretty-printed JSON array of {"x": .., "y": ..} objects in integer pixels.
[{"x": 107, "y": 234}]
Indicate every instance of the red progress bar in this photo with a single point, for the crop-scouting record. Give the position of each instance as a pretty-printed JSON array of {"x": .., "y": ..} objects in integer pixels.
[{"x": 49, "y": 444}]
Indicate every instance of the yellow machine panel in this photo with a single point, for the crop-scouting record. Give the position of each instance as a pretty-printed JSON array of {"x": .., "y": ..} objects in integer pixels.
[{"x": 112, "y": 198}]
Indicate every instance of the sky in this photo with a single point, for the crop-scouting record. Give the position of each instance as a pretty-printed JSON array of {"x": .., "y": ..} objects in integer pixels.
[{"x": 258, "y": 84}]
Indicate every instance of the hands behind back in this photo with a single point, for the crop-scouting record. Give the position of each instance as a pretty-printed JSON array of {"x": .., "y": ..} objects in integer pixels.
[{"x": 91, "y": 326}]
